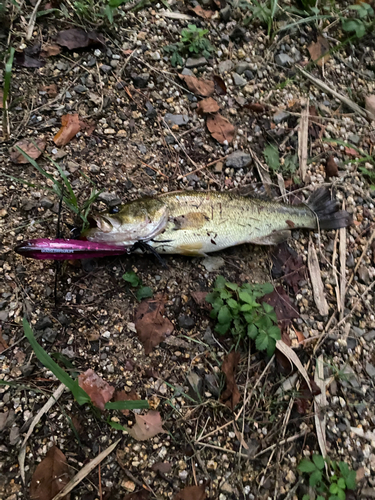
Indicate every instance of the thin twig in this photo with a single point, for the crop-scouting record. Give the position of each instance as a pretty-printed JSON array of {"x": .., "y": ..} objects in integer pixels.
[
  {"x": 342, "y": 248},
  {"x": 31, "y": 25}
]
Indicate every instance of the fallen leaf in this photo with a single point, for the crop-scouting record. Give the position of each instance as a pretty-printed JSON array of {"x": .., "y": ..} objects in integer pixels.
[
  {"x": 70, "y": 126},
  {"x": 351, "y": 152},
  {"x": 293, "y": 358},
  {"x": 331, "y": 167},
  {"x": 256, "y": 107},
  {"x": 138, "y": 495},
  {"x": 316, "y": 128},
  {"x": 205, "y": 14},
  {"x": 3, "y": 344},
  {"x": 1, "y": 98},
  {"x": 220, "y": 128},
  {"x": 51, "y": 90},
  {"x": 231, "y": 395},
  {"x": 163, "y": 467},
  {"x": 316, "y": 281},
  {"x": 288, "y": 265},
  {"x": 99, "y": 391},
  {"x": 370, "y": 105},
  {"x": 306, "y": 396},
  {"x": 29, "y": 57},
  {"x": 199, "y": 86},
  {"x": 50, "y": 49},
  {"x": 147, "y": 426},
  {"x": 208, "y": 105},
  {"x": 34, "y": 151},
  {"x": 152, "y": 327},
  {"x": 192, "y": 493},
  {"x": 284, "y": 365},
  {"x": 220, "y": 87},
  {"x": 284, "y": 309},
  {"x": 200, "y": 299},
  {"x": 318, "y": 49},
  {"x": 360, "y": 474},
  {"x": 50, "y": 476},
  {"x": 126, "y": 396},
  {"x": 77, "y": 38}
]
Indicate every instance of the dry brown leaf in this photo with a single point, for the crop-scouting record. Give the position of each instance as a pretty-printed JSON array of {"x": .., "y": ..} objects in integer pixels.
[
  {"x": 220, "y": 87},
  {"x": 51, "y": 90},
  {"x": 126, "y": 396},
  {"x": 256, "y": 107},
  {"x": 192, "y": 493},
  {"x": 70, "y": 126},
  {"x": 3, "y": 344},
  {"x": 231, "y": 395},
  {"x": 99, "y": 391},
  {"x": 1, "y": 99},
  {"x": 146, "y": 426},
  {"x": 50, "y": 49},
  {"x": 316, "y": 281},
  {"x": 351, "y": 152},
  {"x": 208, "y": 105},
  {"x": 152, "y": 327},
  {"x": 220, "y": 128},
  {"x": 205, "y": 14},
  {"x": 331, "y": 167},
  {"x": 77, "y": 38},
  {"x": 50, "y": 477},
  {"x": 33, "y": 150},
  {"x": 370, "y": 105},
  {"x": 199, "y": 86},
  {"x": 318, "y": 49}
]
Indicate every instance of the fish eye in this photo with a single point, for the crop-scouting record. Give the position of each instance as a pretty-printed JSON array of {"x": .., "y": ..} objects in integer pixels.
[{"x": 114, "y": 210}]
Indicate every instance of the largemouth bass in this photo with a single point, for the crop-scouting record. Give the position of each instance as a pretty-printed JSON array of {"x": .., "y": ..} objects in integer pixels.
[{"x": 196, "y": 223}]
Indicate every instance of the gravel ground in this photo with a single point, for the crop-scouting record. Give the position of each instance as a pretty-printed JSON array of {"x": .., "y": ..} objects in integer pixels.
[{"x": 144, "y": 136}]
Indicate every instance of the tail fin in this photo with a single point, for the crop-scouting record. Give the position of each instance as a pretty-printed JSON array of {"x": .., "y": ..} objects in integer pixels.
[{"x": 327, "y": 210}]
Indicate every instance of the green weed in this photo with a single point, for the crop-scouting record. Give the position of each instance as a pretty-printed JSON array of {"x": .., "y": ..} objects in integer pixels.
[
  {"x": 236, "y": 309},
  {"x": 264, "y": 12},
  {"x": 6, "y": 89},
  {"x": 192, "y": 41},
  {"x": 330, "y": 487},
  {"x": 143, "y": 292},
  {"x": 361, "y": 24},
  {"x": 287, "y": 165}
]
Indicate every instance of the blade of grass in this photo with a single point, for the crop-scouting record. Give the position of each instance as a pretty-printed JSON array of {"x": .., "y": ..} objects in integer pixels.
[
  {"x": 6, "y": 89},
  {"x": 128, "y": 405},
  {"x": 79, "y": 394}
]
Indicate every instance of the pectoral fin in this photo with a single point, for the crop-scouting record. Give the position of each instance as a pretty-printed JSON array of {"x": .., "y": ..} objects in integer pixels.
[{"x": 273, "y": 238}]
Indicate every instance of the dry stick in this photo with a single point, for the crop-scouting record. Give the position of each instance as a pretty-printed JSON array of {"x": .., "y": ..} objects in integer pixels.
[
  {"x": 85, "y": 471},
  {"x": 303, "y": 140},
  {"x": 181, "y": 146},
  {"x": 334, "y": 267},
  {"x": 52, "y": 400},
  {"x": 204, "y": 166},
  {"x": 345, "y": 100},
  {"x": 120, "y": 71},
  {"x": 31, "y": 25},
  {"x": 244, "y": 396},
  {"x": 342, "y": 248}
]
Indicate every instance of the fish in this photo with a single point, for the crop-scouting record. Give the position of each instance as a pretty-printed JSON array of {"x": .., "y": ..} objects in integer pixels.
[{"x": 197, "y": 223}]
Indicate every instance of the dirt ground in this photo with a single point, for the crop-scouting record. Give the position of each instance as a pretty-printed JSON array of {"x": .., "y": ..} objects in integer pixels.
[{"x": 122, "y": 86}]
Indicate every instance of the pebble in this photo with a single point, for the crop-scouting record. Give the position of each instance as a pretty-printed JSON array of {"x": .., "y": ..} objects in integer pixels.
[
  {"x": 95, "y": 169},
  {"x": 155, "y": 56},
  {"x": 370, "y": 369},
  {"x": 109, "y": 131},
  {"x": 364, "y": 275},
  {"x": 280, "y": 116},
  {"x": 186, "y": 322},
  {"x": 241, "y": 67},
  {"x": 283, "y": 59},
  {"x": 195, "y": 62},
  {"x": 176, "y": 119},
  {"x": 226, "y": 13},
  {"x": 212, "y": 263},
  {"x": 46, "y": 203},
  {"x": 238, "y": 159},
  {"x": 140, "y": 81},
  {"x": 43, "y": 323},
  {"x": 225, "y": 66},
  {"x": 105, "y": 68},
  {"x": 239, "y": 80},
  {"x": 80, "y": 89}
]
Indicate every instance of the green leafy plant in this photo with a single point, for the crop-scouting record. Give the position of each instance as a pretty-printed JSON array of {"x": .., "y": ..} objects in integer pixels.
[
  {"x": 192, "y": 41},
  {"x": 361, "y": 24},
  {"x": 143, "y": 292},
  {"x": 264, "y": 12},
  {"x": 287, "y": 165},
  {"x": 328, "y": 486},
  {"x": 237, "y": 309}
]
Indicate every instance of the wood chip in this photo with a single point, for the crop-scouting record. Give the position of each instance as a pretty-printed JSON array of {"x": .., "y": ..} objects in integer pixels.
[
  {"x": 303, "y": 140},
  {"x": 320, "y": 402},
  {"x": 293, "y": 358}
]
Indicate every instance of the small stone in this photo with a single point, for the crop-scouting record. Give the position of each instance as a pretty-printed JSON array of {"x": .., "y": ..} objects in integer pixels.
[
  {"x": 80, "y": 89},
  {"x": 225, "y": 66},
  {"x": 43, "y": 323},
  {"x": 4, "y": 315},
  {"x": 121, "y": 133},
  {"x": 364, "y": 275},
  {"x": 3, "y": 213},
  {"x": 151, "y": 112},
  {"x": 95, "y": 169},
  {"x": 107, "y": 197},
  {"x": 239, "y": 80},
  {"x": 211, "y": 465},
  {"x": 241, "y": 67},
  {"x": 226, "y": 13},
  {"x": 142, "y": 35},
  {"x": 237, "y": 34},
  {"x": 46, "y": 203},
  {"x": 186, "y": 322},
  {"x": 105, "y": 68},
  {"x": 176, "y": 119},
  {"x": 195, "y": 62},
  {"x": 114, "y": 63},
  {"x": 358, "y": 332},
  {"x": 49, "y": 335},
  {"x": 290, "y": 477},
  {"x": 280, "y": 116},
  {"x": 238, "y": 159},
  {"x": 14, "y": 436},
  {"x": 187, "y": 72},
  {"x": 128, "y": 485},
  {"x": 249, "y": 75},
  {"x": 213, "y": 263},
  {"x": 155, "y": 56},
  {"x": 226, "y": 488},
  {"x": 140, "y": 81},
  {"x": 183, "y": 475},
  {"x": 196, "y": 385},
  {"x": 97, "y": 53},
  {"x": 350, "y": 262},
  {"x": 370, "y": 369},
  {"x": 370, "y": 336},
  {"x": 218, "y": 167},
  {"x": 283, "y": 59},
  {"x": 354, "y": 138},
  {"x": 109, "y": 131}
]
